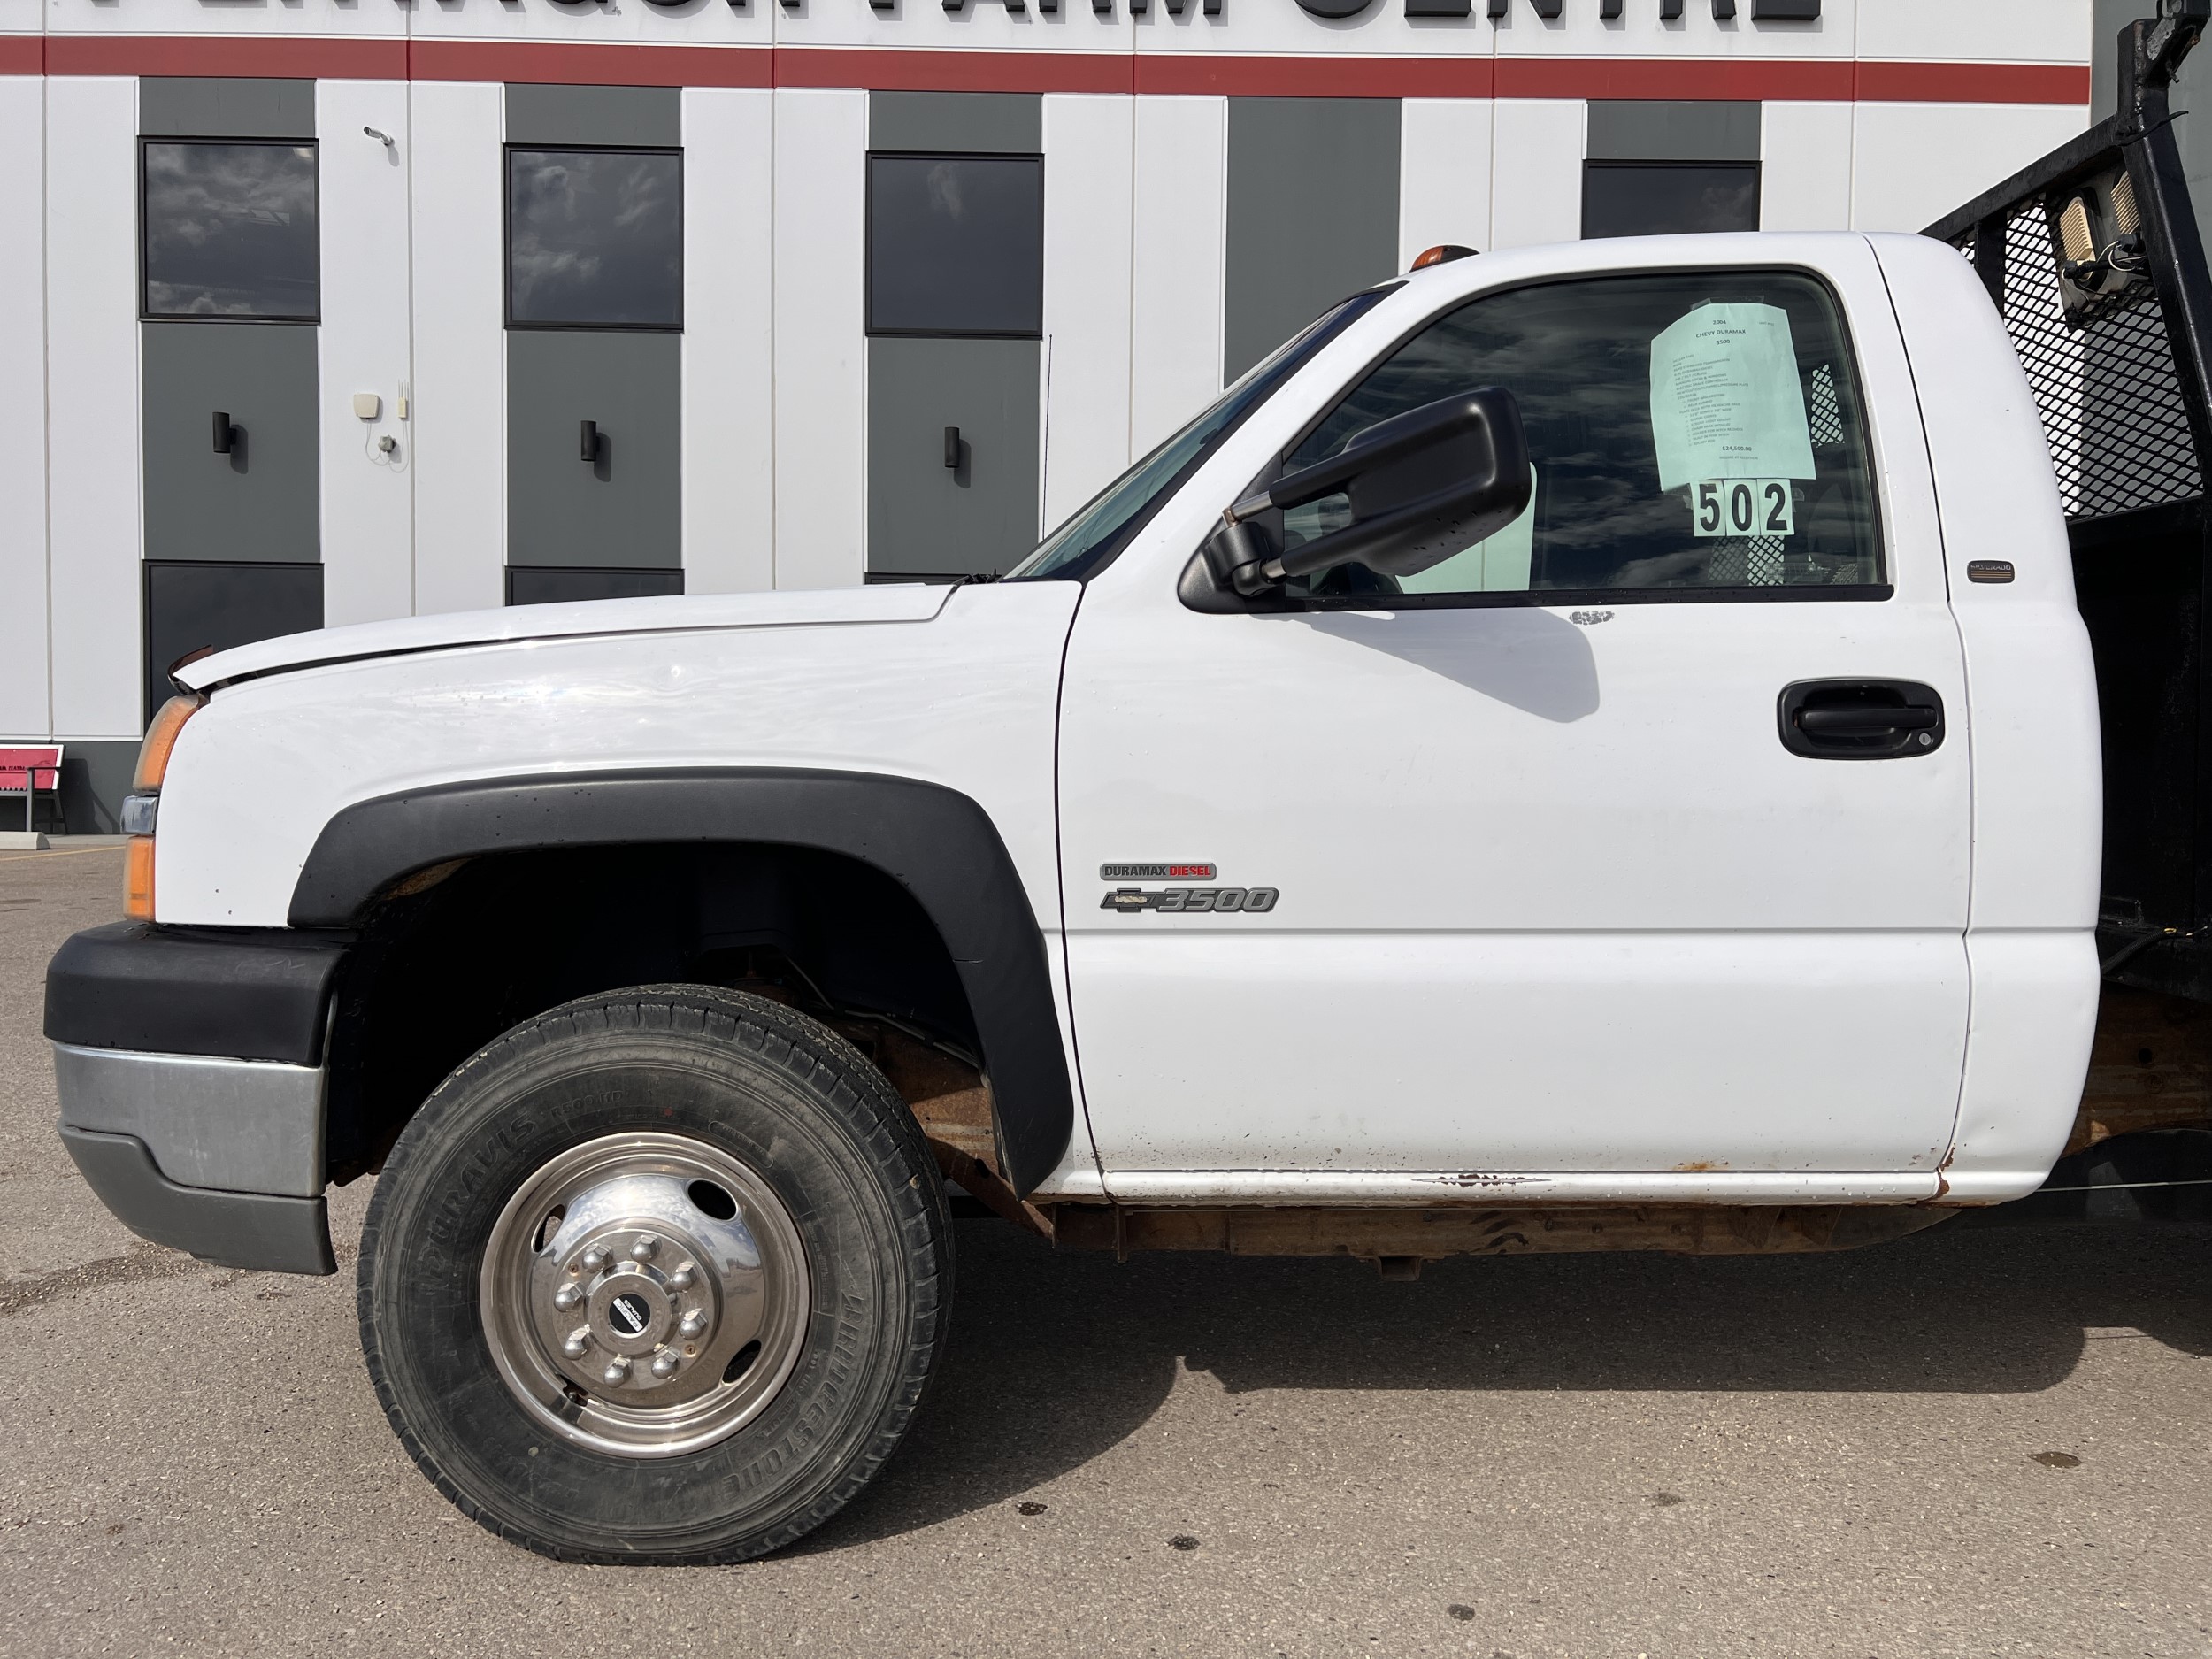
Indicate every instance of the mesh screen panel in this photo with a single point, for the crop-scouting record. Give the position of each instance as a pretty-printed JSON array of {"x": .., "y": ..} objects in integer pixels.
[{"x": 2109, "y": 392}]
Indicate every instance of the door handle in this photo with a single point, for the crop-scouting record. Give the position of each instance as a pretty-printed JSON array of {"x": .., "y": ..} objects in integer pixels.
[{"x": 1859, "y": 719}]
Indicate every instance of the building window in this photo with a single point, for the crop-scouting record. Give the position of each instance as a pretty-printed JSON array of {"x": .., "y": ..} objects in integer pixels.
[
  {"x": 193, "y": 603},
  {"x": 563, "y": 584},
  {"x": 1658, "y": 198},
  {"x": 956, "y": 245},
  {"x": 229, "y": 229},
  {"x": 594, "y": 239}
]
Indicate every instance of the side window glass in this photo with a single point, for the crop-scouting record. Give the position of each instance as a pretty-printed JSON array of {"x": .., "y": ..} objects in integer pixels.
[
  {"x": 229, "y": 229},
  {"x": 1692, "y": 430},
  {"x": 956, "y": 245},
  {"x": 595, "y": 238}
]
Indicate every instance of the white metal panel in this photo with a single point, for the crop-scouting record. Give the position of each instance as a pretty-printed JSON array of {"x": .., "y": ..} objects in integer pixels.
[
  {"x": 2037, "y": 778},
  {"x": 1423, "y": 1188},
  {"x": 1537, "y": 194},
  {"x": 1582, "y": 32},
  {"x": 1177, "y": 263},
  {"x": 458, "y": 417},
  {"x": 1913, "y": 162},
  {"x": 1805, "y": 166},
  {"x": 25, "y": 711},
  {"x": 92, "y": 403},
  {"x": 2035, "y": 1013},
  {"x": 1089, "y": 173},
  {"x": 1554, "y": 1051},
  {"x": 1444, "y": 166},
  {"x": 821, "y": 361},
  {"x": 1979, "y": 31},
  {"x": 729, "y": 421},
  {"x": 362, "y": 346},
  {"x": 259, "y": 772}
]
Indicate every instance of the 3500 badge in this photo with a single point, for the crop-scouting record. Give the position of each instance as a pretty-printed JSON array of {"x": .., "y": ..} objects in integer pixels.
[{"x": 1219, "y": 901}]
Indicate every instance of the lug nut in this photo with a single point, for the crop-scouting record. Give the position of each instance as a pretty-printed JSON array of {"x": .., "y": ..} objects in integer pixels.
[
  {"x": 567, "y": 1296},
  {"x": 693, "y": 1322},
  {"x": 681, "y": 1280},
  {"x": 617, "y": 1370},
  {"x": 642, "y": 1250},
  {"x": 664, "y": 1363},
  {"x": 578, "y": 1342},
  {"x": 594, "y": 1259}
]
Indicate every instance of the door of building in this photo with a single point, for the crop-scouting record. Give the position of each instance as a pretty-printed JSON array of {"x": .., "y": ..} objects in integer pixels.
[
  {"x": 1520, "y": 871},
  {"x": 954, "y": 314}
]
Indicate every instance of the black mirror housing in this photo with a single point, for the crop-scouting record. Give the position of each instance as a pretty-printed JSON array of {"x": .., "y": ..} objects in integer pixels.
[{"x": 1422, "y": 486}]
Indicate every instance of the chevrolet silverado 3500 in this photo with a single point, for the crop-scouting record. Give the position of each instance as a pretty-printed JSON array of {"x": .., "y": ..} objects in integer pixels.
[{"x": 1587, "y": 747}]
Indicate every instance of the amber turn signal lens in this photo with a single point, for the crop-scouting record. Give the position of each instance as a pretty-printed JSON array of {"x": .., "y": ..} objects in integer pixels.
[
  {"x": 161, "y": 737},
  {"x": 1443, "y": 253},
  {"x": 138, "y": 877}
]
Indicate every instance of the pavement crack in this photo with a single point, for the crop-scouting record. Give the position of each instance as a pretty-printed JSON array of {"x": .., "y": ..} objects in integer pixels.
[{"x": 140, "y": 1263}]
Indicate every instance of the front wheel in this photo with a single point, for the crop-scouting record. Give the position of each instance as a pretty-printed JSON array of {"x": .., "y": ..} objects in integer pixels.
[{"x": 659, "y": 1276}]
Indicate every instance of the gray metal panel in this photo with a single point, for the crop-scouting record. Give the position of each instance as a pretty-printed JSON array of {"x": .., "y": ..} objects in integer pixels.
[
  {"x": 180, "y": 106},
  {"x": 1010, "y": 122},
  {"x": 241, "y": 1125},
  {"x": 650, "y": 117},
  {"x": 259, "y": 502},
  {"x": 926, "y": 519},
  {"x": 624, "y": 509},
  {"x": 1313, "y": 213},
  {"x": 1666, "y": 129}
]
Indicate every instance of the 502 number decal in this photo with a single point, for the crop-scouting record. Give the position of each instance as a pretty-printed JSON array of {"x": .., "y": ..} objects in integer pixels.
[
  {"x": 1219, "y": 901},
  {"x": 1744, "y": 507}
]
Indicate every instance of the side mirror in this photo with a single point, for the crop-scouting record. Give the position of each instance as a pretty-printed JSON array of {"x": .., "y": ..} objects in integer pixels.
[{"x": 1422, "y": 486}]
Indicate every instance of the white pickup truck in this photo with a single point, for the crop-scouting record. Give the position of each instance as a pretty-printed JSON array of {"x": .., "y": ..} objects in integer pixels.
[{"x": 1589, "y": 747}]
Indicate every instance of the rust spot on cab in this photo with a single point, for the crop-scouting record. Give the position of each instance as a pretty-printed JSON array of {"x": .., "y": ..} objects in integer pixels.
[{"x": 1697, "y": 1167}]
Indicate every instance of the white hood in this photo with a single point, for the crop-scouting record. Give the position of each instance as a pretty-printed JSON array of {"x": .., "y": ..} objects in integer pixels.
[{"x": 904, "y": 602}]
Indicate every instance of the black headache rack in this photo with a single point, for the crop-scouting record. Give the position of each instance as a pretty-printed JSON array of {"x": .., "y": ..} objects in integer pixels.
[{"x": 2093, "y": 259}]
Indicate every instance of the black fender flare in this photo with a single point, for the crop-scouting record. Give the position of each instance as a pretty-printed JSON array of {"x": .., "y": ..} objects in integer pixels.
[{"x": 936, "y": 842}]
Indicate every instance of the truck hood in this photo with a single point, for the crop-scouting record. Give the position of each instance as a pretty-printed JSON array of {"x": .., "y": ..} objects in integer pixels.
[{"x": 457, "y": 630}]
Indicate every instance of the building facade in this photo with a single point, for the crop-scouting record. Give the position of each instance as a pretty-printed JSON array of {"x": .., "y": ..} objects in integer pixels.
[{"x": 332, "y": 311}]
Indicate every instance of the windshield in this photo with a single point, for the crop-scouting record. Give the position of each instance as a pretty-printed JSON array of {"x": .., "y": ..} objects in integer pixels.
[{"x": 1090, "y": 540}]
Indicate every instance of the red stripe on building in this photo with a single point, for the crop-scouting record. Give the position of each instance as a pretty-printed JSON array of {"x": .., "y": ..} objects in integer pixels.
[
  {"x": 248, "y": 57},
  {"x": 1749, "y": 79},
  {"x": 561, "y": 64},
  {"x": 923, "y": 69},
  {"x": 1974, "y": 83},
  {"x": 1315, "y": 77}
]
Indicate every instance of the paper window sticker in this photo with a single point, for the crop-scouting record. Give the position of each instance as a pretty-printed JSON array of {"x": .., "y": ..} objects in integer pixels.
[{"x": 1725, "y": 401}]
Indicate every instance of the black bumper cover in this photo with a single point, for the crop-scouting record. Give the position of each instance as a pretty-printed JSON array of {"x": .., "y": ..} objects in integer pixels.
[{"x": 244, "y": 992}]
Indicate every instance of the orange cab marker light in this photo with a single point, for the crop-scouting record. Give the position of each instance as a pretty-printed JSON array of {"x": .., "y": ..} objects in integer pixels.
[
  {"x": 161, "y": 737},
  {"x": 1443, "y": 253}
]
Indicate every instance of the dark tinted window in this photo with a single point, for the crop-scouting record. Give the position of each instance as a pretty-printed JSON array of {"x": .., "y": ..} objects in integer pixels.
[
  {"x": 190, "y": 604},
  {"x": 595, "y": 238},
  {"x": 1638, "y": 198},
  {"x": 955, "y": 245},
  {"x": 1699, "y": 429},
  {"x": 229, "y": 229},
  {"x": 555, "y": 584}
]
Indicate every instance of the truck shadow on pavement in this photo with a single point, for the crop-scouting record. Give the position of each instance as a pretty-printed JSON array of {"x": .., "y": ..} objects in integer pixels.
[{"x": 1056, "y": 1358}]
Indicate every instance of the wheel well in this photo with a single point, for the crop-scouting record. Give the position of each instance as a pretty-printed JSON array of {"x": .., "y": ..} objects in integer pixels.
[{"x": 455, "y": 955}]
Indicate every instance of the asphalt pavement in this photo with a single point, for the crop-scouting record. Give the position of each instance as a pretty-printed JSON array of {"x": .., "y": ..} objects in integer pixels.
[{"x": 1973, "y": 1441}]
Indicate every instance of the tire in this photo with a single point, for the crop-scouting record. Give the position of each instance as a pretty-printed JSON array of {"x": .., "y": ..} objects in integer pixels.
[{"x": 633, "y": 1186}]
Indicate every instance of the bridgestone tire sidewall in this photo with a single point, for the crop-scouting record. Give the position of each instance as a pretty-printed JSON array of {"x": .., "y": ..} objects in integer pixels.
[{"x": 799, "y": 1106}]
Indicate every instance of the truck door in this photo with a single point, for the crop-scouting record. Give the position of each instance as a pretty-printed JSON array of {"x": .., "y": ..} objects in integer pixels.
[{"x": 1633, "y": 839}]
